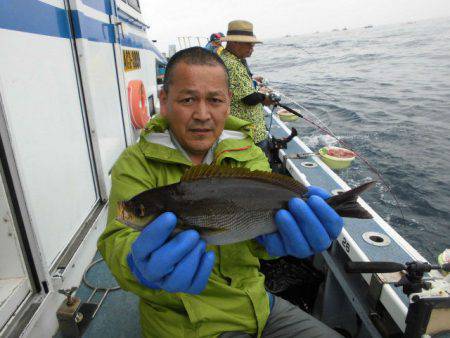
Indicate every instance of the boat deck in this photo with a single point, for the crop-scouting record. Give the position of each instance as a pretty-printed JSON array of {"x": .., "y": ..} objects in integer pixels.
[{"x": 118, "y": 317}]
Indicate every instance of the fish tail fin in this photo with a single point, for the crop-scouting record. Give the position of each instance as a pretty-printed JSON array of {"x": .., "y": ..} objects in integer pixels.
[{"x": 345, "y": 204}]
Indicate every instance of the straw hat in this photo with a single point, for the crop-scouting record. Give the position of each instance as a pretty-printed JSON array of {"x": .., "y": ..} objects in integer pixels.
[{"x": 240, "y": 31}]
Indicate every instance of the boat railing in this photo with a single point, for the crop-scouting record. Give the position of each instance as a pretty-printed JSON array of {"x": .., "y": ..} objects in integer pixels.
[{"x": 191, "y": 41}]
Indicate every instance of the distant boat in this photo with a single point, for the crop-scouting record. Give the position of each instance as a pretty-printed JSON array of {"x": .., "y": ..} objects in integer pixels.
[
  {"x": 369, "y": 26},
  {"x": 335, "y": 30},
  {"x": 344, "y": 29}
]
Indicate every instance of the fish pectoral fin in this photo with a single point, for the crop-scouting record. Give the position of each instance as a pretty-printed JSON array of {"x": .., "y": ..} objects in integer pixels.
[
  {"x": 208, "y": 230},
  {"x": 353, "y": 210},
  {"x": 214, "y": 230},
  {"x": 130, "y": 224},
  {"x": 186, "y": 224}
]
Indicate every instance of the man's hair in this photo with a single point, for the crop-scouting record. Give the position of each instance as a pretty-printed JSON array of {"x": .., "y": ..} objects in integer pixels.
[{"x": 193, "y": 56}]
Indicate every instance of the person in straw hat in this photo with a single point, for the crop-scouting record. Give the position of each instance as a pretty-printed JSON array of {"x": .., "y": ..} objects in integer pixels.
[{"x": 246, "y": 102}]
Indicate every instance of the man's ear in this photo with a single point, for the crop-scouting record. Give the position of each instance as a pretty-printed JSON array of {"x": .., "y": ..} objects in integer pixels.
[
  {"x": 230, "y": 95},
  {"x": 163, "y": 102}
]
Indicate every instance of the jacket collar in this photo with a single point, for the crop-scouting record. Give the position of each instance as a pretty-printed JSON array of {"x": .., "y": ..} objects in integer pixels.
[{"x": 157, "y": 143}]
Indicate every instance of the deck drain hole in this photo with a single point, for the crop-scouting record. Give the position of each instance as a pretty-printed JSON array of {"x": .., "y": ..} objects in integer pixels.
[
  {"x": 376, "y": 238},
  {"x": 309, "y": 164}
]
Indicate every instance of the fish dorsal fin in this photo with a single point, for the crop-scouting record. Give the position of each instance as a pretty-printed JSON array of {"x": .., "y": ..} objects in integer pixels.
[{"x": 208, "y": 171}]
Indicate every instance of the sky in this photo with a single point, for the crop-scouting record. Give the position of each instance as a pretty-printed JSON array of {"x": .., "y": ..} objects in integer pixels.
[{"x": 276, "y": 18}]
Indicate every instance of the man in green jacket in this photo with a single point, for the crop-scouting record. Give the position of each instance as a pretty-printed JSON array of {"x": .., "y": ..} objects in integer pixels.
[{"x": 188, "y": 289}]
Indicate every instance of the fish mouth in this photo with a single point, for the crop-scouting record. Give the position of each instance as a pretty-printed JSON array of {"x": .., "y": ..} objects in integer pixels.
[
  {"x": 129, "y": 219},
  {"x": 133, "y": 222}
]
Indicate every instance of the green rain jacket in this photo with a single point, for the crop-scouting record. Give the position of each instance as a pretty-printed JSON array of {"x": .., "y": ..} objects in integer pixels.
[{"x": 235, "y": 298}]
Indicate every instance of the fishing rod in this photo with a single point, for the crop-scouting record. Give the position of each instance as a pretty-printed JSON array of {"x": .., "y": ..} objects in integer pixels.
[
  {"x": 308, "y": 111},
  {"x": 412, "y": 281},
  {"x": 277, "y": 98}
]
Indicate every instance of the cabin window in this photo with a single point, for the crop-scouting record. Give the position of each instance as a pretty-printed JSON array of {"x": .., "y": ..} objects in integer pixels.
[{"x": 134, "y": 4}]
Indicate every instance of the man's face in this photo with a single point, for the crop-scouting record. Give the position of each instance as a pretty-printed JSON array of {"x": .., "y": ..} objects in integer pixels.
[
  {"x": 196, "y": 106},
  {"x": 244, "y": 49}
]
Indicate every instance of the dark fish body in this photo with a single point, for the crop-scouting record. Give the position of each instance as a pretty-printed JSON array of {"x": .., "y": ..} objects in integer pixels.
[{"x": 225, "y": 205}]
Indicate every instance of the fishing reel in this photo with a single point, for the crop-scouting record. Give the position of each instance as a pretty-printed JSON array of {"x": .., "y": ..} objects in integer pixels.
[
  {"x": 281, "y": 143},
  {"x": 275, "y": 97},
  {"x": 412, "y": 281},
  {"x": 265, "y": 82},
  {"x": 275, "y": 145}
]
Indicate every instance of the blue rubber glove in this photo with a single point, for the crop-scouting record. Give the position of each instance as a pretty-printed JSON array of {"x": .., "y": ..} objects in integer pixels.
[
  {"x": 178, "y": 264},
  {"x": 307, "y": 228}
]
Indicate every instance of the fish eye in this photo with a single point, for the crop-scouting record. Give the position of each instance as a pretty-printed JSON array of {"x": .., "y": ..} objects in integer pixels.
[{"x": 139, "y": 210}]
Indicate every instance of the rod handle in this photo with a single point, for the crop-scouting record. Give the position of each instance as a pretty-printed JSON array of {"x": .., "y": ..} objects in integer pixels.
[
  {"x": 373, "y": 267},
  {"x": 289, "y": 109}
]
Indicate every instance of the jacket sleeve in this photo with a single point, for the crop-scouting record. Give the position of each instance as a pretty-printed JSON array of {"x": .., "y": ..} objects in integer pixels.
[
  {"x": 129, "y": 177},
  {"x": 254, "y": 99}
]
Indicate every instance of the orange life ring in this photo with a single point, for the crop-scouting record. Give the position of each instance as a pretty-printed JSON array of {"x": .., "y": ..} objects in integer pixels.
[{"x": 137, "y": 103}]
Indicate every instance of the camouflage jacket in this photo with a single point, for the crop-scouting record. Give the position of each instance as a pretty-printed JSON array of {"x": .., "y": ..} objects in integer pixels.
[{"x": 241, "y": 85}]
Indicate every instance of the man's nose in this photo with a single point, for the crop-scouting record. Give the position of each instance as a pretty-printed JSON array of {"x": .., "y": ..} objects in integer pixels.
[{"x": 202, "y": 111}]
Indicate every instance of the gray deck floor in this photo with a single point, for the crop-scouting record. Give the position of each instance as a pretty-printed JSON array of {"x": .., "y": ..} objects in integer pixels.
[{"x": 119, "y": 314}]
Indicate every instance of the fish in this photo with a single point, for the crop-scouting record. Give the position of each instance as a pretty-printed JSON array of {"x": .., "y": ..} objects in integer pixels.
[{"x": 228, "y": 205}]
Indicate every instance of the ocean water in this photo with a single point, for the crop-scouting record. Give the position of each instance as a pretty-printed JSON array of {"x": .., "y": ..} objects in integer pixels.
[{"x": 385, "y": 91}]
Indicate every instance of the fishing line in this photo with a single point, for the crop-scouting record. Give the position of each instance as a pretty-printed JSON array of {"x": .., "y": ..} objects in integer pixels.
[
  {"x": 327, "y": 131},
  {"x": 304, "y": 49},
  {"x": 300, "y": 106},
  {"x": 307, "y": 98},
  {"x": 324, "y": 128},
  {"x": 319, "y": 91},
  {"x": 311, "y": 89},
  {"x": 310, "y": 113}
]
